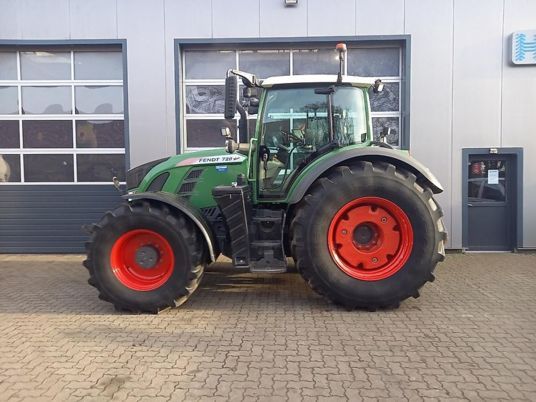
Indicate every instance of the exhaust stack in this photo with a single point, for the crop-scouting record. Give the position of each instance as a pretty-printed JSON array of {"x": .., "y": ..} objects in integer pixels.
[{"x": 341, "y": 48}]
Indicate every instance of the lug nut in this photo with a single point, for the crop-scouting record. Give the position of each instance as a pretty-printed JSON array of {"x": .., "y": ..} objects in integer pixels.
[
  {"x": 374, "y": 259},
  {"x": 384, "y": 219},
  {"x": 344, "y": 231}
]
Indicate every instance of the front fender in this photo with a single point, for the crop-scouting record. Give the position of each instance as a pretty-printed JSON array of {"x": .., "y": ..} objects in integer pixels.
[
  {"x": 186, "y": 208},
  {"x": 308, "y": 176}
]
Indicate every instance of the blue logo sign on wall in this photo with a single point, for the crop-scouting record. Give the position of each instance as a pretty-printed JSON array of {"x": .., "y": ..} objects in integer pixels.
[{"x": 524, "y": 47}]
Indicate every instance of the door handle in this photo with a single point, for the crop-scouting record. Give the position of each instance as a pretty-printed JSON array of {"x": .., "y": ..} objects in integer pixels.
[{"x": 469, "y": 205}]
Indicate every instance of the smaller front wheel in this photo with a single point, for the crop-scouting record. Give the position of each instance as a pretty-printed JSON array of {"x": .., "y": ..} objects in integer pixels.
[{"x": 144, "y": 258}]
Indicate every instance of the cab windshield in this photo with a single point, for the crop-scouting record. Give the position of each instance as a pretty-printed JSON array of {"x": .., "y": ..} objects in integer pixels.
[
  {"x": 301, "y": 108},
  {"x": 295, "y": 124}
]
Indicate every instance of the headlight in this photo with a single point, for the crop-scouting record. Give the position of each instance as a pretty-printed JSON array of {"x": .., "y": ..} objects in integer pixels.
[{"x": 136, "y": 175}]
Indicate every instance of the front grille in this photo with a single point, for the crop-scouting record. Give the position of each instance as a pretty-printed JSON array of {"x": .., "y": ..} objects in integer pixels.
[
  {"x": 194, "y": 174},
  {"x": 158, "y": 183},
  {"x": 187, "y": 187}
]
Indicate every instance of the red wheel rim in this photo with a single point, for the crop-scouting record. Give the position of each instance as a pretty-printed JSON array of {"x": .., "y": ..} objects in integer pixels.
[
  {"x": 370, "y": 238},
  {"x": 142, "y": 259}
]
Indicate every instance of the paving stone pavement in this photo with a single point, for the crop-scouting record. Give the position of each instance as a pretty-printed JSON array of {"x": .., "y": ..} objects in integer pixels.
[{"x": 470, "y": 336}]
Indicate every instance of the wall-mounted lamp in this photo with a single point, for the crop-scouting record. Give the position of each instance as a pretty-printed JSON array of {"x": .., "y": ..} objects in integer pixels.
[{"x": 291, "y": 3}]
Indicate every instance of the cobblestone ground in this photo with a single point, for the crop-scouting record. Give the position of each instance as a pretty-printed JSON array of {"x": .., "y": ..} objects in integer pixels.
[{"x": 471, "y": 335}]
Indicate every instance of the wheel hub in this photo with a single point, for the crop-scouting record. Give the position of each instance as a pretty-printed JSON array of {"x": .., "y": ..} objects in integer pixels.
[
  {"x": 142, "y": 259},
  {"x": 147, "y": 256},
  {"x": 370, "y": 238},
  {"x": 365, "y": 235}
]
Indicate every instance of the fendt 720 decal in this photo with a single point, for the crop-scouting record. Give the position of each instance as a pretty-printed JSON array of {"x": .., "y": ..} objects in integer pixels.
[{"x": 210, "y": 160}]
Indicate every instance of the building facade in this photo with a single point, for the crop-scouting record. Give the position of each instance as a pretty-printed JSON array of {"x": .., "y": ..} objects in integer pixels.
[{"x": 89, "y": 88}]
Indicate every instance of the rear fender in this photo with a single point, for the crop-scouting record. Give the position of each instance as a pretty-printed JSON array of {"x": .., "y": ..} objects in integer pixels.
[
  {"x": 397, "y": 158},
  {"x": 187, "y": 209}
]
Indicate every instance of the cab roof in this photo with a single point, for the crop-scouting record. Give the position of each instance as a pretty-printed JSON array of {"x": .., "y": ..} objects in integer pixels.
[{"x": 316, "y": 78}]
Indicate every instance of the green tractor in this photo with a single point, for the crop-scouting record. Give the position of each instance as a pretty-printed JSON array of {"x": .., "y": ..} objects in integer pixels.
[{"x": 357, "y": 217}]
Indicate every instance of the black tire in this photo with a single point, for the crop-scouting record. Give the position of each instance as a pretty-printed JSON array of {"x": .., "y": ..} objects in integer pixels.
[
  {"x": 180, "y": 233},
  {"x": 309, "y": 244}
]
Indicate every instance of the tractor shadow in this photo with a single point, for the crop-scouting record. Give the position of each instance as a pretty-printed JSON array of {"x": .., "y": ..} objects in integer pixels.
[
  {"x": 58, "y": 286},
  {"x": 226, "y": 287}
]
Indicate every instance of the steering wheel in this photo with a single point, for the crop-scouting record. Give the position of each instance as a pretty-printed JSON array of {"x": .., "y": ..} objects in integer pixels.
[
  {"x": 286, "y": 135},
  {"x": 291, "y": 136}
]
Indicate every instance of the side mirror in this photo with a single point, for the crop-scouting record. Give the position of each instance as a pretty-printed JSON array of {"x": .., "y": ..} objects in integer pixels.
[
  {"x": 231, "y": 90},
  {"x": 248, "y": 92},
  {"x": 253, "y": 107}
]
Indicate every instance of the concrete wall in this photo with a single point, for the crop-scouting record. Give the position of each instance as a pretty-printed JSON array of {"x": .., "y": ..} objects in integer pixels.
[{"x": 464, "y": 91}]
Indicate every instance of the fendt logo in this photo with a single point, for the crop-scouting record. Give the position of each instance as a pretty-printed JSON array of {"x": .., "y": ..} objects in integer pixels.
[
  {"x": 524, "y": 47},
  {"x": 209, "y": 160},
  {"x": 220, "y": 159}
]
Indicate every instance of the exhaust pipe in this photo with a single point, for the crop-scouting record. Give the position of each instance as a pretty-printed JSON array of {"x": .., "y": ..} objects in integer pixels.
[{"x": 341, "y": 48}]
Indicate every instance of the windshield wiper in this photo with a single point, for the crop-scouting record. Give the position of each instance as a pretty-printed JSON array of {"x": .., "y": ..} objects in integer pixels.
[{"x": 328, "y": 91}]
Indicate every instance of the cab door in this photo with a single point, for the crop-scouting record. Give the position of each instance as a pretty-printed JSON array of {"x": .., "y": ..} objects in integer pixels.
[{"x": 295, "y": 129}]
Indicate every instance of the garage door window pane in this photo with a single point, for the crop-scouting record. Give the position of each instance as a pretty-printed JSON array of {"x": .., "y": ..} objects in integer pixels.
[
  {"x": 9, "y": 134},
  {"x": 315, "y": 61},
  {"x": 47, "y": 134},
  {"x": 99, "y": 100},
  {"x": 378, "y": 123},
  {"x": 212, "y": 64},
  {"x": 100, "y": 168},
  {"x": 9, "y": 168},
  {"x": 46, "y": 100},
  {"x": 45, "y": 65},
  {"x": 206, "y": 133},
  {"x": 8, "y": 66},
  {"x": 48, "y": 168},
  {"x": 378, "y": 62},
  {"x": 387, "y": 100},
  {"x": 8, "y": 100},
  {"x": 98, "y": 66},
  {"x": 205, "y": 99},
  {"x": 265, "y": 63},
  {"x": 100, "y": 134}
]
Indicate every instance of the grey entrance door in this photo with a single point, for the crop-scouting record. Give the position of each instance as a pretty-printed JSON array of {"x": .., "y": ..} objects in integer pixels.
[{"x": 491, "y": 202}]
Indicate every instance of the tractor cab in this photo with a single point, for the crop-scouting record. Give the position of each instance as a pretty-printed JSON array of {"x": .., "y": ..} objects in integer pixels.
[
  {"x": 300, "y": 118},
  {"x": 299, "y": 123}
]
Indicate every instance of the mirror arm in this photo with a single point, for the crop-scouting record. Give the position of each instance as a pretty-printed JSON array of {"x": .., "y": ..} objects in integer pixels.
[{"x": 248, "y": 79}]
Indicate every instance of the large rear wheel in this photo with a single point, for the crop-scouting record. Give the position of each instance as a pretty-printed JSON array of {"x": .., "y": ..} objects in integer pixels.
[
  {"x": 375, "y": 239},
  {"x": 144, "y": 258}
]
